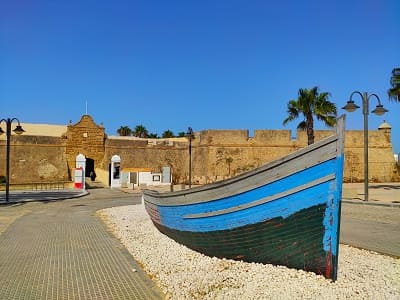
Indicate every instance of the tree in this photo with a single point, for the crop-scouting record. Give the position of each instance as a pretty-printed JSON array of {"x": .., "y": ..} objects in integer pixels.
[
  {"x": 140, "y": 131},
  {"x": 124, "y": 131},
  {"x": 311, "y": 103},
  {"x": 168, "y": 134},
  {"x": 153, "y": 135},
  {"x": 394, "y": 91},
  {"x": 182, "y": 134}
]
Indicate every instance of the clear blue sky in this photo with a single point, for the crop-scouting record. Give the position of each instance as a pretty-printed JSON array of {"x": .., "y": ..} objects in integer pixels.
[{"x": 210, "y": 64}]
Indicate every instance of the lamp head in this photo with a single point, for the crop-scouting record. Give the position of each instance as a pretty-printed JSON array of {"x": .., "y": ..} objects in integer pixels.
[
  {"x": 379, "y": 110},
  {"x": 350, "y": 106},
  {"x": 18, "y": 130}
]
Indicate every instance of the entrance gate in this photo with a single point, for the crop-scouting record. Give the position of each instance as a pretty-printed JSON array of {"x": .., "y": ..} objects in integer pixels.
[{"x": 89, "y": 166}]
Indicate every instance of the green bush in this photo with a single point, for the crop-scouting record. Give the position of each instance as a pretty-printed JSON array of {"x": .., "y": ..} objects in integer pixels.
[{"x": 2, "y": 179}]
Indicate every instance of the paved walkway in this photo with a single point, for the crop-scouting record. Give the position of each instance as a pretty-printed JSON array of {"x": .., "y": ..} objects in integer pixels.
[
  {"x": 52, "y": 249},
  {"x": 380, "y": 194},
  {"x": 61, "y": 250}
]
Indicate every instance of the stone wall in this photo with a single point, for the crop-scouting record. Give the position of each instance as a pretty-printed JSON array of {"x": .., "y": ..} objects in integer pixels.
[
  {"x": 229, "y": 156},
  {"x": 381, "y": 163},
  {"x": 35, "y": 159},
  {"x": 87, "y": 138},
  {"x": 153, "y": 153},
  {"x": 216, "y": 154}
]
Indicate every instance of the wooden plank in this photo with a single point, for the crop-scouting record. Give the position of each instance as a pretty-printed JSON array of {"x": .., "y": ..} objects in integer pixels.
[
  {"x": 295, "y": 242},
  {"x": 263, "y": 200},
  {"x": 244, "y": 182}
]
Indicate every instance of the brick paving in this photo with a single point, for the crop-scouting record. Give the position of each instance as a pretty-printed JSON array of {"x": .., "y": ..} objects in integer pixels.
[{"x": 61, "y": 250}]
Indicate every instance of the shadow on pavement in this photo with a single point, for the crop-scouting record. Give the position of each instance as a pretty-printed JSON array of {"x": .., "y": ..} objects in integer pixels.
[{"x": 384, "y": 186}]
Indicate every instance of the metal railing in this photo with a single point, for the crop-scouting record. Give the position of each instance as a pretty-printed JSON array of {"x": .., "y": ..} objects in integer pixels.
[{"x": 38, "y": 186}]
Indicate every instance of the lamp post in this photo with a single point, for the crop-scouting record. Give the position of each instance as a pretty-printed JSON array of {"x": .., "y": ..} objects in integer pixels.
[
  {"x": 18, "y": 130},
  {"x": 189, "y": 134},
  {"x": 379, "y": 110}
]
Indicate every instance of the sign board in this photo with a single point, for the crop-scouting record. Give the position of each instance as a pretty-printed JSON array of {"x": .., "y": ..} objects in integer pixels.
[{"x": 79, "y": 178}]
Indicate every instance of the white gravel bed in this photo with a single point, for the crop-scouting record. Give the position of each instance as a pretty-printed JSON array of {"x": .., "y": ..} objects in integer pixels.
[{"x": 182, "y": 273}]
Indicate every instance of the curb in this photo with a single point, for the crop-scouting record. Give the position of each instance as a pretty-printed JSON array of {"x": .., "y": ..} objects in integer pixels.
[
  {"x": 362, "y": 202},
  {"x": 82, "y": 194}
]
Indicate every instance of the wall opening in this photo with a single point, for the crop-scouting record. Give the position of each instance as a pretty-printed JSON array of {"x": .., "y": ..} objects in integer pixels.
[{"x": 89, "y": 166}]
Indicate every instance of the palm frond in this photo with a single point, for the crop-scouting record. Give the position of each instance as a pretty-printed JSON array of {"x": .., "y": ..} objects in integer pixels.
[
  {"x": 293, "y": 112},
  {"x": 310, "y": 103},
  {"x": 394, "y": 91},
  {"x": 302, "y": 125},
  {"x": 394, "y": 94}
]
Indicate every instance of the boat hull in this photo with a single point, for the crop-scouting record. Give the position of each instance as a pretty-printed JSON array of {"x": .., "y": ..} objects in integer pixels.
[
  {"x": 284, "y": 213},
  {"x": 296, "y": 241}
]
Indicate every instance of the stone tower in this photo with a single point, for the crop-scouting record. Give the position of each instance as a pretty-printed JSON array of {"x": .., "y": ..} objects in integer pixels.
[{"x": 87, "y": 138}]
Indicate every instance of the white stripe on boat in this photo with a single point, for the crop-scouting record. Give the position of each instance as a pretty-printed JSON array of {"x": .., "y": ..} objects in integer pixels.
[{"x": 263, "y": 200}]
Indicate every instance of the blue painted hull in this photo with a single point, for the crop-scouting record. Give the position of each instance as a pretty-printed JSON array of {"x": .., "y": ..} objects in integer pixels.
[
  {"x": 290, "y": 220},
  {"x": 295, "y": 241}
]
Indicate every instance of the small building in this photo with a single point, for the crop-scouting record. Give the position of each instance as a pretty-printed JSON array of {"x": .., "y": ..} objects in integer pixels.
[{"x": 134, "y": 178}]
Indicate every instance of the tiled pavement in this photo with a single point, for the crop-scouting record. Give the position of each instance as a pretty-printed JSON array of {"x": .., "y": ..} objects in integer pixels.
[{"x": 61, "y": 250}]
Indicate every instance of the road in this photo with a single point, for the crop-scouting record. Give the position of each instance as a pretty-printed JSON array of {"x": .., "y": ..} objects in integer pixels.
[{"x": 371, "y": 227}]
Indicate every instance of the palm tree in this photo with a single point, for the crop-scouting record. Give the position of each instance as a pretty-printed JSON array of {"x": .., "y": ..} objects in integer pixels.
[
  {"x": 153, "y": 135},
  {"x": 394, "y": 91},
  {"x": 311, "y": 103},
  {"x": 124, "y": 131},
  {"x": 140, "y": 131},
  {"x": 168, "y": 134}
]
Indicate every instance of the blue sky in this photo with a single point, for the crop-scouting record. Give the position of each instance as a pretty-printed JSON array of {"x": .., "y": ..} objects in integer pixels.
[{"x": 211, "y": 64}]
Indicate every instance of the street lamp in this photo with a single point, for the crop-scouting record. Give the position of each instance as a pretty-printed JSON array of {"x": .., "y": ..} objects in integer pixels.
[
  {"x": 189, "y": 134},
  {"x": 18, "y": 130},
  {"x": 379, "y": 110}
]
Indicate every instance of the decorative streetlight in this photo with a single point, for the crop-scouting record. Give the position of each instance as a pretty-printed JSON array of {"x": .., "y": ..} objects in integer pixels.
[
  {"x": 190, "y": 135},
  {"x": 379, "y": 110},
  {"x": 18, "y": 130}
]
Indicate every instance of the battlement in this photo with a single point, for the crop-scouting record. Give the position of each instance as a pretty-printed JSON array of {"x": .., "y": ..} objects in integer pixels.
[{"x": 216, "y": 154}]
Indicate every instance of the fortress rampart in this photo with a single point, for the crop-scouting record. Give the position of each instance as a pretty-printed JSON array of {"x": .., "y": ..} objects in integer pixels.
[
  {"x": 35, "y": 159},
  {"x": 216, "y": 154}
]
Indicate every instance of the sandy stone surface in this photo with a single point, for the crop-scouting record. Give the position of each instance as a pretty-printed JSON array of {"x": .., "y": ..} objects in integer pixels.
[
  {"x": 40, "y": 129},
  {"x": 185, "y": 274}
]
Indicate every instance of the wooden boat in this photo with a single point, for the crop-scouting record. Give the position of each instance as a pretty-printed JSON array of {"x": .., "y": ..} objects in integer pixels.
[{"x": 286, "y": 212}]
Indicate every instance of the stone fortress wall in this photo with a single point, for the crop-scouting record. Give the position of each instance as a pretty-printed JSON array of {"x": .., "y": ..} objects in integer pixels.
[
  {"x": 216, "y": 154},
  {"x": 35, "y": 159}
]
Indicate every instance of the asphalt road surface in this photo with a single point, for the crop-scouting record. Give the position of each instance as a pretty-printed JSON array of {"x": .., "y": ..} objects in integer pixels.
[{"x": 371, "y": 227}]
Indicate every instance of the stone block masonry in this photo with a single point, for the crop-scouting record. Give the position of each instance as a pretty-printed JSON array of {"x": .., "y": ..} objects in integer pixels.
[{"x": 216, "y": 154}]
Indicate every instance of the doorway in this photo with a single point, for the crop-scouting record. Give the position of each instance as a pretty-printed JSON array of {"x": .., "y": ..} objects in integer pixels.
[{"x": 89, "y": 166}]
